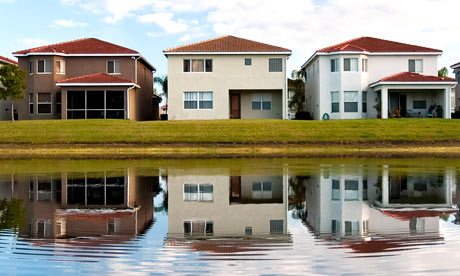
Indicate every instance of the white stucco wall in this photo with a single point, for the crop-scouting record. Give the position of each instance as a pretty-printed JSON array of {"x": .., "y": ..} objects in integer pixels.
[
  {"x": 319, "y": 88},
  {"x": 229, "y": 73}
]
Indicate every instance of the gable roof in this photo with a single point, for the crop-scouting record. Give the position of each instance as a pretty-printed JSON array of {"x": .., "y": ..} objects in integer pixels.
[
  {"x": 83, "y": 47},
  {"x": 456, "y": 65},
  {"x": 408, "y": 77},
  {"x": 228, "y": 44},
  {"x": 371, "y": 45},
  {"x": 7, "y": 60},
  {"x": 96, "y": 79}
]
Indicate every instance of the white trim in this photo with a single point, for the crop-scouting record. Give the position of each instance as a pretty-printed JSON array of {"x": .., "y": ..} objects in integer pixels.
[
  {"x": 455, "y": 66},
  {"x": 226, "y": 53},
  {"x": 370, "y": 54},
  {"x": 8, "y": 62},
  {"x": 411, "y": 83},
  {"x": 88, "y": 55},
  {"x": 98, "y": 84},
  {"x": 45, "y": 103}
]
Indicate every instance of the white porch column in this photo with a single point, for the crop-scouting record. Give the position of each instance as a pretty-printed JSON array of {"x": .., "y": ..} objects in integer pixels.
[
  {"x": 384, "y": 102},
  {"x": 446, "y": 103},
  {"x": 385, "y": 186}
]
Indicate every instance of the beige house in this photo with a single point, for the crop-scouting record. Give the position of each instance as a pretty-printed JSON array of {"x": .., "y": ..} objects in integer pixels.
[
  {"x": 86, "y": 79},
  {"x": 5, "y": 105},
  {"x": 227, "y": 77}
]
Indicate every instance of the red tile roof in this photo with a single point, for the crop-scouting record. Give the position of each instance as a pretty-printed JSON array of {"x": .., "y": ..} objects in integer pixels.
[
  {"x": 7, "y": 60},
  {"x": 455, "y": 65},
  {"x": 375, "y": 45},
  {"x": 408, "y": 215},
  {"x": 414, "y": 77},
  {"x": 80, "y": 46},
  {"x": 229, "y": 44},
  {"x": 97, "y": 78}
]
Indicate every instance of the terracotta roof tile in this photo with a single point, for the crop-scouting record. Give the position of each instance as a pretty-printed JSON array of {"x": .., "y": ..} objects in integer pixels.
[
  {"x": 97, "y": 78},
  {"x": 408, "y": 215},
  {"x": 7, "y": 60},
  {"x": 80, "y": 46},
  {"x": 228, "y": 43},
  {"x": 414, "y": 77},
  {"x": 375, "y": 45}
]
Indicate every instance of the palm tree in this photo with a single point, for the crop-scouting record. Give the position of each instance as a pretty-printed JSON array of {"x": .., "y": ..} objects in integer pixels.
[
  {"x": 163, "y": 81},
  {"x": 443, "y": 72},
  {"x": 297, "y": 85}
]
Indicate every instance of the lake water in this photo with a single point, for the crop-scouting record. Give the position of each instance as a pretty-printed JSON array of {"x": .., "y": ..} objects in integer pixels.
[{"x": 230, "y": 216}]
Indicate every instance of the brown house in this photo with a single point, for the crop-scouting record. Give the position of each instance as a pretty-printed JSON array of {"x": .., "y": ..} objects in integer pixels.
[{"x": 86, "y": 79}]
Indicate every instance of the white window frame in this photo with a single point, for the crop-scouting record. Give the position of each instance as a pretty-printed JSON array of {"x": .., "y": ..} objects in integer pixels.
[
  {"x": 357, "y": 101},
  {"x": 335, "y": 66},
  {"x": 418, "y": 65},
  {"x": 61, "y": 67},
  {"x": 45, "y": 103},
  {"x": 45, "y": 72},
  {"x": 31, "y": 102},
  {"x": 204, "y": 65},
  {"x": 115, "y": 62},
  {"x": 335, "y": 102},
  {"x": 364, "y": 64},
  {"x": 271, "y": 69},
  {"x": 205, "y": 222},
  {"x": 198, "y": 100},
  {"x": 31, "y": 67},
  {"x": 261, "y": 98},
  {"x": 200, "y": 195},
  {"x": 353, "y": 65}
]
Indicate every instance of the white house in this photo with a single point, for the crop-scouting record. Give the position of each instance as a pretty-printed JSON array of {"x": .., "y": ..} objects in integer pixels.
[
  {"x": 369, "y": 77},
  {"x": 456, "y": 68},
  {"x": 227, "y": 77},
  {"x": 5, "y": 105}
]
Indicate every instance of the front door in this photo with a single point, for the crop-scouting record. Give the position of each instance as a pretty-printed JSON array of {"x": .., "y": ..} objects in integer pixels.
[
  {"x": 235, "y": 105},
  {"x": 403, "y": 105}
]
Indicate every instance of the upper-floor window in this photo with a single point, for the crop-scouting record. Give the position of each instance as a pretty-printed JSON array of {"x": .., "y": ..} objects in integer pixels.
[
  {"x": 416, "y": 65},
  {"x": 335, "y": 65},
  {"x": 275, "y": 65},
  {"x": 350, "y": 64},
  {"x": 113, "y": 67},
  {"x": 44, "y": 66},
  {"x": 31, "y": 67},
  {"x": 247, "y": 61},
  {"x": 60, "y": 67},
  {"x": 364, "y": 65},
  {"x": 197, "y": 65}
]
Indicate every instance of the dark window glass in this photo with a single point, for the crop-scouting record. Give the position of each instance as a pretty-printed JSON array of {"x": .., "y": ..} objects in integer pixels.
[
  {"x": 75, "y": 114},
  {"x": 186, "y": 65},
  {"x": 95, "y": 114},
  {"x": 276, "y": 226},
  {"x": 75, "y": 99},
  {"x": 419, "y": 104},
  {"x": 256, "y": 106},
  {"x": 115, "y": 114},
  {"x": 187, "y": 227},
  {"x": 115, "y": 194},
  {"x": 44, "y": 108},
  {"x": 58, "y": 103},
  {"x": 190, "y": 105},
  {"x": 209, "y": 227},
  {"x": 110, "y": 67},
  {"x": 335, "y": 107},
  {"x": 95, "y": 100},
  {"x": 351, "y": 107},
  {"x": 275, "y": 65},
  {"x": 247, "y": 61},
  {"x": 266, "y": 105},
  {"x": 411, "y": 65},
  {"x": 115, "y": 100},
  {"x": 41, "y": 66},
  {"x": 208, "y": 65}
]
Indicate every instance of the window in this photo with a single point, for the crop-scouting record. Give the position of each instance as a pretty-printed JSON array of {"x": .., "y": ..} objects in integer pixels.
[
  {"x": 261, "y": 101},
  {"x": 95, "y": 104},
  {"x": 44, "y": 192},
  {"x": 275, "y": 65},
  {"x": 416, "y": 65},
  {"x": 335, "y": 227},
  {"x": 351, "y": 227},
  {"x": 350, "y": 99},
  {"x": 247, "y": 61},
  {"x": 350, "y": 64},
  {"x": 113, "y": 67},
  {"x": 262, "y": 190},
  {"x": 60, "y": 67},
  {"x": 364, "y": 103},
  {"x": 335, "y": 189},
  {"x": 44, "y": 103},
  {"x": 276, "y": 226},
  {"x": 365, "y": 196},
  {"x": 364, "y": 64},
  {"x": 335, "y": 102},
  {"x": 351, "y": 190},
  {"x": 197, "y": 65},
  {"x": 335, "y": 65},
  {"x": 44, "y": 66},
  {"x": 457, "y": 76},
  {"x": 202, "y": 192},
  {"x": 198, "y": 227},
  {"x": 419, "y": 104},
  {"x": 248, "y": 231},
  {"x": 31, "y": 67},
  {"x": 113, "y": 224},
  {"x": 198, "y": 100},
  {"x": 31, "y": 103},
  {"x": 58, "y": 103}
]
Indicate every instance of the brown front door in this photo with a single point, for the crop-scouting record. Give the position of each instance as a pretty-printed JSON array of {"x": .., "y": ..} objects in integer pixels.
[{"x": 235, "y": 106}]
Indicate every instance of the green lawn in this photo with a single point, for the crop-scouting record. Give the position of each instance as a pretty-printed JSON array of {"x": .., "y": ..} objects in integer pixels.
[{"x": 229, "y": 131}]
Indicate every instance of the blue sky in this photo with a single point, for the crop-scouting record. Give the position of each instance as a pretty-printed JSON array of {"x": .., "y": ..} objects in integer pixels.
[{"x": 150, "y": 26}]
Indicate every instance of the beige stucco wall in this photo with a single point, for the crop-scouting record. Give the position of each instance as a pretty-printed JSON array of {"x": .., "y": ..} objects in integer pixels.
[{"x": 229, "y": 73}]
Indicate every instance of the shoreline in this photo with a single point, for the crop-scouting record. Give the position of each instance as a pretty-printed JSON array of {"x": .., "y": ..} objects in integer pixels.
[{"x": 234, "y": 150}]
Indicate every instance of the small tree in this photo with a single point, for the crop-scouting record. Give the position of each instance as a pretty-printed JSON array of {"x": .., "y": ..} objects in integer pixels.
[
  {"x": 13, "y": 80},
  {"x": 163, "y": 81},
  {"x": 443, "y": 72},
  {"x": 298, "y": 87}
]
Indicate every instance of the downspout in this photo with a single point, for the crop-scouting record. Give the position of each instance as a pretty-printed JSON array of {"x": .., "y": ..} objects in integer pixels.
[{"x": 132, "y": 87}]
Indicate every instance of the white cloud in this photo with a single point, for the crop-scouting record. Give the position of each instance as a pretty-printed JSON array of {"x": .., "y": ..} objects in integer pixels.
[
  {"x": 67, "y": 23},
  {"x": 33, "y": 42},
  {"x": 165, "y": 21}
]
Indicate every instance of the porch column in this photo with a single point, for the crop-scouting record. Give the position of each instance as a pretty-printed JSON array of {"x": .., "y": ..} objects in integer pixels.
[
  {"x": 446, "y": 103},
  {"x": 384, "y": 102},
  {"x": 385, "y": 186}
]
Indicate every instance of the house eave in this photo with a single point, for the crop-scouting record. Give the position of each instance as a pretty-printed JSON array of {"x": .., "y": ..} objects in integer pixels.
[
  {"x": 96, "y": 84},
  {"x": 411, "y": 83},
  {"x": 227, "y": 53}
]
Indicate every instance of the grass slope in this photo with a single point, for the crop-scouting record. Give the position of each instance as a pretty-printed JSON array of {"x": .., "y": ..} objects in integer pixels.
[{"x": 229, "y": 131}]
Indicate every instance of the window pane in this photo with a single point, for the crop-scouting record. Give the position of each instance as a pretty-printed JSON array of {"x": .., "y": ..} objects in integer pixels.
[
  {"x": 44, "y": 108},
  {"x": 118, "y": 114},
  {"x": 266, "y": 105},
  {"x": 110, "y": 67},
  {"x": 346, "y": 64},
  {"x": 197, "y": 65},
  {"x": 117, "y": 66},
  {"x": 31, "y": 67},
  {"x": 209, "y": 65},
  {"x": 256, "y": 186},
  {"x": 335, "y": 97},
  {"x": 419, "y": 104},
  {"x": 354, "y": 64},
  {"x": 44, "y": 97},
  {"x": 186, "y": 65},
  {"x": 335, "y": 189},
  {"x": 334, "y": 65},
  {"x": 48, "y": 66},
  {"x": 411, "y": 65},
  {"x": 207, "y": 96},
  {"x": 351, "y": 189},
  {"x": 190, "y": 105},
  {"x": 75, "y": 114},
  {"x": 190, "y": 96},
  {"x": 275, "y": 65},
  {"x": 41, "y": 66},
  {"x": 419, "y": 65},
  {"x": 95, "y": 114},
  {"x": 351, "y": 107},
  {"x": 115, "y": 99},
  {"x": 276, "y": 226},
  {"x": 335, "y": 108},
  {"x": 247, "y": 61},
  {"x": 256, "y": 105},
  {"x": 76, "y": 100},
  {"x": 205, "y": 104},
  {"x": 350, "y": 96},
  {"x": 95, "y": 100},
  {"x": 267, "y": 186}
]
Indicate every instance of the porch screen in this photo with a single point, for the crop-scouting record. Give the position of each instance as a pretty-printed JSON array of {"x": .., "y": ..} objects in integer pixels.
[{"x": 350, "y": 99}]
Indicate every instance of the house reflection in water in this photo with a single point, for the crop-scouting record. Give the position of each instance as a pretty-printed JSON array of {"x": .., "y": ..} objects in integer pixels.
[
  {"x": 372, "y": 209},
  {"x": 84, "y": 204},
  {"x": 213, "y": 202}
]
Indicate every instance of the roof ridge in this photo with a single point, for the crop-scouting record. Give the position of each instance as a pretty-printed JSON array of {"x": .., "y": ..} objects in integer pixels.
[
  {"x": 338, "y": 44},
  {"x": 199, "y": 42}
]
